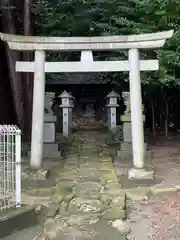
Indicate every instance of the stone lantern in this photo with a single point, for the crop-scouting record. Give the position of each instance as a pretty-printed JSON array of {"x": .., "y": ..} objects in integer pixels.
[
  {"x": 66, "y": 105},
  {"x": 112, "y": 99}
]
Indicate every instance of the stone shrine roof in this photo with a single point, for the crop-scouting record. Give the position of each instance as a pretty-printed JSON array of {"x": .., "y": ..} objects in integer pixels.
[{"x": 76, "y": 78}]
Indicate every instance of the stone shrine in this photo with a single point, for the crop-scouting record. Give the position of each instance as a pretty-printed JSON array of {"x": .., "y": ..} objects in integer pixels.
[
  {"x": 86, "y": 119},
  {"x": 89, "y": 111}
]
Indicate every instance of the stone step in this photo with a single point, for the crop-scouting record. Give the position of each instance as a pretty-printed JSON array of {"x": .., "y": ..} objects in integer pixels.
[
  {"x": 128, "y": 146},
  {"x": 128, "y": 154},
  {"x": 51, "y": 150}
]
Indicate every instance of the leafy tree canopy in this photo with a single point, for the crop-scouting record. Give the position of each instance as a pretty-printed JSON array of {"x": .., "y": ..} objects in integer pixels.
[{"x": 114, "y": 17}]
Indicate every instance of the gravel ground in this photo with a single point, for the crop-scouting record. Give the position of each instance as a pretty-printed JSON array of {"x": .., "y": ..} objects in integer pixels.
[{"x": 157, "y": 219}]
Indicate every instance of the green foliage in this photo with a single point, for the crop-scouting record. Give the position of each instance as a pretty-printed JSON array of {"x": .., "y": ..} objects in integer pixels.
[{"x": 114, "y": 17}]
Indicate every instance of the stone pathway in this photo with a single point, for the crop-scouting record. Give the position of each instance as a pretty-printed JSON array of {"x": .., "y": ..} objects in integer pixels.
[{"x": 87, "y": 201}]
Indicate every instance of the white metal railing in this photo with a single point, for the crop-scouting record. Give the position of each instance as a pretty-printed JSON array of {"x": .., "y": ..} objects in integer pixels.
[{"x": 10, "y": 166}]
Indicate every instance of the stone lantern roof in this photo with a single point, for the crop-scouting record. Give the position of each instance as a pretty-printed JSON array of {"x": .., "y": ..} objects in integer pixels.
[
  {"x": 65, "y": 95},
  {"x": 113, "y": 94}
]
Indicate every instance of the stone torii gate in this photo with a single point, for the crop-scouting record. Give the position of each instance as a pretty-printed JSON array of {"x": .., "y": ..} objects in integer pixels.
[{"x": 86, "y": 45}]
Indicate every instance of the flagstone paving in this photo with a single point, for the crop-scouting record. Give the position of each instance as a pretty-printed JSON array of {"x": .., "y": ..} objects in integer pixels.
[{"x": 87, "y": 201}]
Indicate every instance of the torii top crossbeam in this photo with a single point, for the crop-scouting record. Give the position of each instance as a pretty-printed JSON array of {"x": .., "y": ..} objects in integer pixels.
[{"x": 149, "y": 40}]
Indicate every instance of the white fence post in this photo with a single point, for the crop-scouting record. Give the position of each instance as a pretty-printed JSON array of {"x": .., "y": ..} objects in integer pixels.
[
  {"x": 18, "y": 167},
  {"x": 10, "y": 167}
]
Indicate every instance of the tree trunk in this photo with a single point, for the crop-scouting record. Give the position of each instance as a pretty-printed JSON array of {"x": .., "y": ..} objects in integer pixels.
[
  {"x": 28, "y": 79},
  {"x": 8, "y": 26},
  {"x": 161, "y": 115},
  {"x": 153, "y": 118},
  {"x": 166, "y": 119},
  {"x": 7, "y": 115}
]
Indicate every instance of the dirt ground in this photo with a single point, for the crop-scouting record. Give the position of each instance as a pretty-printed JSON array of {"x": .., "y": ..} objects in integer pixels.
[{"x": 159, "y": 217}]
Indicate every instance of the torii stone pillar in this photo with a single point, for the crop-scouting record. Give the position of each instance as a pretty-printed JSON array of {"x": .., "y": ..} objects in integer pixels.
[
  {"x": 136, "y": 109},
  {"x": 112, "y": 99},
  {"x": 87, "y": 64},
  {"x": 67, "y": 105},
  {"x": 38, "y": 111},
  {"x": 136, "y": 117}
]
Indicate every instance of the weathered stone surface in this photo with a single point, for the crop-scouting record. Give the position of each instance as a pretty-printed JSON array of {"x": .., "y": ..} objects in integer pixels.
[
  {"x": 85, "y": 205},
  {"x": 89, "y": 145},
  {"x": 69, "y": 197},
  {"x": 82, "y": 219},
  {"x": 63, "y": 208},
  {"x": 92, "y": 152},
  {"x": 114, "y": 213},
  {"x": 106, "y": 159},
  {"x": 74, "y": 233},
  {"x": 51, "y": 229},
  {"x": 52, "y": 211},
  {"x": 72, "y": 156},
  {"x": 88, "y": 190},
  {"x": 106, "y": 232},
  {"x": 140, "y": 174},
  {"x": 104, "y": 154},
  {"x": 41, "y": 174},
  {"x": 105, "y": 199},
  {"x": 40, "y": 192},
  {"x": 79, "y": 201},
  {"x": 33, "y": 200},
  {"x": 60, "y": 195},
  {"x": 113, "y": 189},
  {"x": 66, "y": 183},
  {"x": 70, "y": 174},
  {"x": 119, "y": 201},
  {"x": 40, "y": 237},
  {"x": 89, "y": 173},
  {"x": 121, "y": 226},
  {"x": 38, "y": 209},
  {"x": 108, "y": 178},
  {"x": 138, "y": 194}
]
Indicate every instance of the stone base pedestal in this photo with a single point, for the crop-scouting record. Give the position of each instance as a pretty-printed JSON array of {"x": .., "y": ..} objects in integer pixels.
[
  {"x": 41, "y": 174},
  {"x": 51, "y": 150},
  {"x": 49, "y": 132},
  {"x": 126, "y": 152},
  {"x": 138, "y": 174},
  {"x": 50, "y": 147},
  {"x": 127, "y": 146}
]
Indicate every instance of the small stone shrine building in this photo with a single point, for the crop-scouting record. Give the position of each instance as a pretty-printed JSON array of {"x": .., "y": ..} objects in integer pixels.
[{"x": 89, "y": 92}]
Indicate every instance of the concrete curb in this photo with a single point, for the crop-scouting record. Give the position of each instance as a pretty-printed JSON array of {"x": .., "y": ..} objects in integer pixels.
[
  {"x": 17, "y": 219},
  {"x": 158, "y": 190},
  {"x": 145, "y": 193},
  {"x": 38, "y": 236}
]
